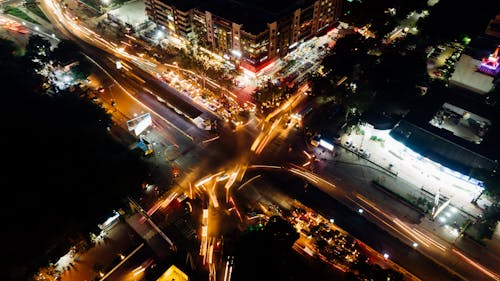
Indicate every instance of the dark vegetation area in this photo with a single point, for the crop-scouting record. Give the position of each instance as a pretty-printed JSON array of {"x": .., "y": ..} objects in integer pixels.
[{"x": 63, "y": 172}]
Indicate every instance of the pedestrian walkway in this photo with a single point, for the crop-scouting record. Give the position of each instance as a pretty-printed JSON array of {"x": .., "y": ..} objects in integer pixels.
[{"x": 104, "y": 255}]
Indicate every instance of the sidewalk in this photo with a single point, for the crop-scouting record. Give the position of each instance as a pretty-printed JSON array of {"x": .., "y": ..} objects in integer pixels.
[
  {"x": 421, "y": 174},
  {"x": 119, "y": 239}
]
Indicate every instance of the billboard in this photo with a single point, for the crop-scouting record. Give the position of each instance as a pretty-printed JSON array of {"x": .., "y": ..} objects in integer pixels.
[
  {"x": 326, "y": 144},
  {"x": 140, "y": 123}
]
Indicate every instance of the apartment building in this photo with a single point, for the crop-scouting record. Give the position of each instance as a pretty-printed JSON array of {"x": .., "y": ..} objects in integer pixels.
[{"x": 251, "y": 33}]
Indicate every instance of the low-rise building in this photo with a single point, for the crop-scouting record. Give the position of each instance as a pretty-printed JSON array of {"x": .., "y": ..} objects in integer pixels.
[{"x": 453, "y": 131}]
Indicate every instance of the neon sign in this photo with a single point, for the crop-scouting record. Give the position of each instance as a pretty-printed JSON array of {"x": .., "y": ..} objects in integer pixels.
[{"x": 491, "y": 64}]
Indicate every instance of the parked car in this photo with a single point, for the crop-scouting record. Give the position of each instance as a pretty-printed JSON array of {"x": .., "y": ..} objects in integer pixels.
[{"x": 364, "y": 152}]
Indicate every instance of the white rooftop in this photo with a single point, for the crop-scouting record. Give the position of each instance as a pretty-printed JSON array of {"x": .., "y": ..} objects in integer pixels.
[
  {"x": 133, "y": 13},
  {"x": 467, "y": 76}
]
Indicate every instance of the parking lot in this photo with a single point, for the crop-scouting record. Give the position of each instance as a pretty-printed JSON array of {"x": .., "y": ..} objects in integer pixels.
[{"x": 441, "y": 60}]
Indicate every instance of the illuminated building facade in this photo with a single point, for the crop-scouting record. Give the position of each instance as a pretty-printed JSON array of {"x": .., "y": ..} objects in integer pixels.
[{"x": 252, "y": 34}]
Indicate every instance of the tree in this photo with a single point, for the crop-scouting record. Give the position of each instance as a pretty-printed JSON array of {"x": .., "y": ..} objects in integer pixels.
[
  {"x": 82, "y": 70},
  {"x": 487, "y": 224},
  {"x": 321, "y": 243},
  {"x": 66, "y": 52},
  {"x": 395, "y": 77},
  {"x": 490, "y": 180},
  {"x": 349, "y": 51},
  {"x": 7, "y": 51},
  {"x": 17, "y": 70},
  {"x": 403, "y": 8},
  {"x": 373, "y": 13},
  {"x": 38, "y": 51},
  {"x": 267, "y": 250},
  {"x": 268, "y": 95},
  {"x": 281, "y": 232},
  {"x": 322, "y": 85},
  {"x": 352, "y": 120},
  {"x": 70, "y": 177},
  {"x": 437, "y": 26}
]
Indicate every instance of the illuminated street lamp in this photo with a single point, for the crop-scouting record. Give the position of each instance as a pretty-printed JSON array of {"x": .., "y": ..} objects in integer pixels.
[
  {"x": 386, "y": 255},
  {"x": 415, "y": 244}
]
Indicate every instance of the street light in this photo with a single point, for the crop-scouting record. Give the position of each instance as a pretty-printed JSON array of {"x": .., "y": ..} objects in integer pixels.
[{"x": 386, "y": 255}]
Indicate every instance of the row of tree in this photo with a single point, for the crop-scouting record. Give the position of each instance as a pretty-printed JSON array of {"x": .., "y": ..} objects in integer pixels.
[{"x": 43, "y": 58}]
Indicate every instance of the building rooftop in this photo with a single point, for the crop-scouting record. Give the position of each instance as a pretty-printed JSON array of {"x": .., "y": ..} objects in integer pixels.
[
  {"x": 467, "y": 76},
  {"x": 461, "y": 123},
  {"x": 132, "y": 13},
  {"x": 252, "y": 14},
  {"x": 380, "y": 120},
  {"x": 173, "y": 273},
  {"x": 464, "y": 140}
]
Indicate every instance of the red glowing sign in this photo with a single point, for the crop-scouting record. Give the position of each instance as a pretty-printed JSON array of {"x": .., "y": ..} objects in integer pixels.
[{"x": 490, "y": 65}]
